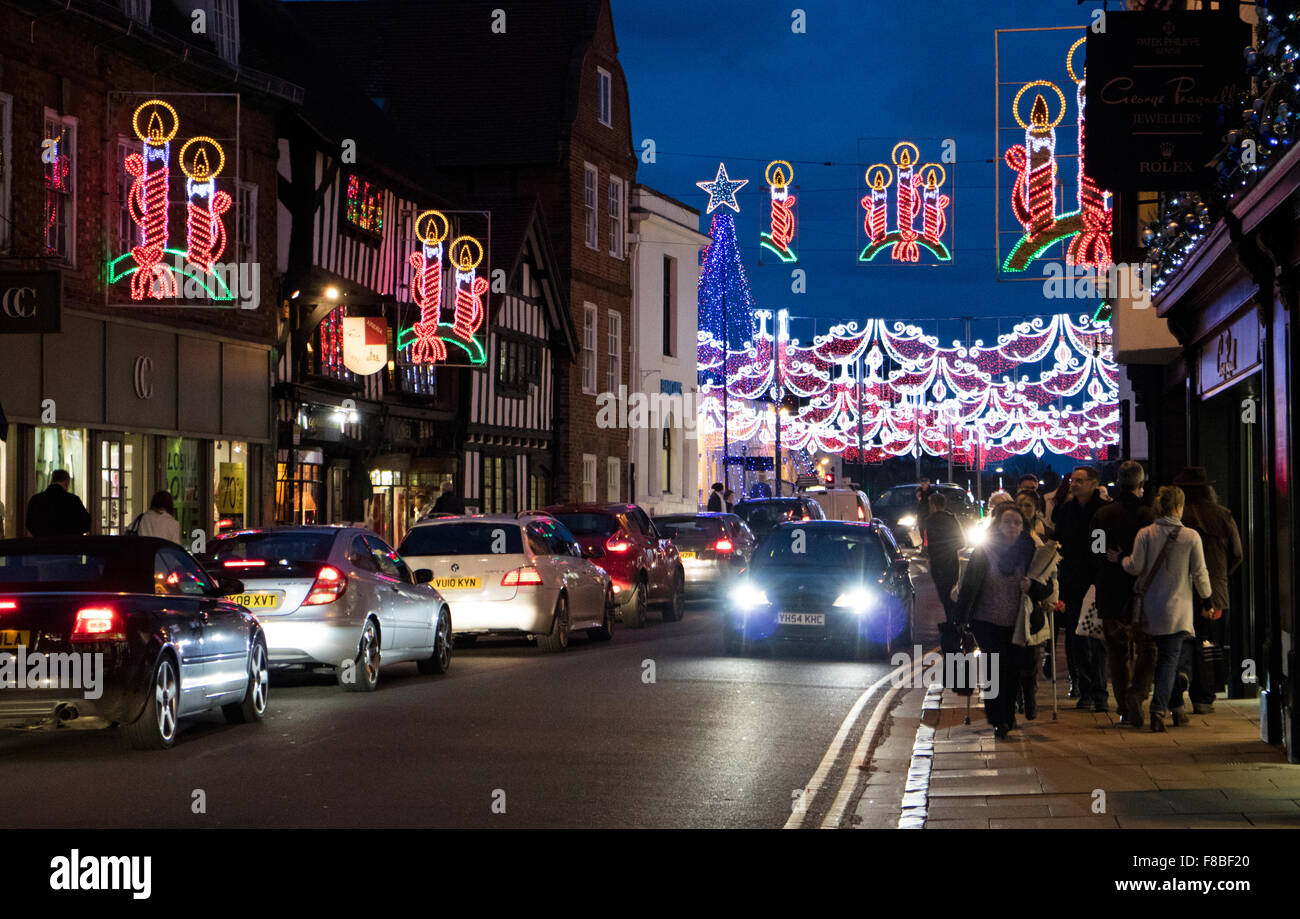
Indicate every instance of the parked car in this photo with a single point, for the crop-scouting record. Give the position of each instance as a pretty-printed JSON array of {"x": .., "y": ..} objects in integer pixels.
[
  {"x": 762, "y": 515},
  {"x": 824, "y": 582},
  {"x": 898, "y": 507},
  {"x": 520, "y": 576},
  {"x": 841, "y": 503},
  {"x": 644, "y": 566},
  {"x": 337, "y": 596},
  {"x": 172, "y": 642},
  {"x": 711, "y": 548}
]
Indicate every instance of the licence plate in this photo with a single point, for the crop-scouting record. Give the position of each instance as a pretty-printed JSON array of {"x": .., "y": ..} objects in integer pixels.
[
  {"x": 457, "y": 583},
  {"x": 801, "y": 618},
  {"x": 257, "y": 600},
  {"x": 11, "y": 639},
  {"x": 687, "y": 554}
]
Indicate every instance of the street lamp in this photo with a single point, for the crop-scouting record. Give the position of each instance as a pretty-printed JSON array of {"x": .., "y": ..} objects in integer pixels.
[{"x": 999, "y": 478}]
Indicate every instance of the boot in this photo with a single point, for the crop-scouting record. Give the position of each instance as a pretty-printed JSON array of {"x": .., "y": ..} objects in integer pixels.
[
  {"x": 1180, "y": 717},
  {"x": 1157, "y": 722}
]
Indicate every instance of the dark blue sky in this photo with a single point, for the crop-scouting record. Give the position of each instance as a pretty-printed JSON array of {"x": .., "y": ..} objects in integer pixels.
[{"x": 728, "y": 80}]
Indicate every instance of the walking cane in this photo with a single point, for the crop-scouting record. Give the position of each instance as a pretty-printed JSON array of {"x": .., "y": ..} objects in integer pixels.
[{"x": 1051, "y": 616}]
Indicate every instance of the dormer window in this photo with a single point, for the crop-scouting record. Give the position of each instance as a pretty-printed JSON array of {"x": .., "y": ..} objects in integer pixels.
[
  {"x": 223, "y": 25},
  {"x": 136, "y": 9},
  {"x": 603, "y": 95}
]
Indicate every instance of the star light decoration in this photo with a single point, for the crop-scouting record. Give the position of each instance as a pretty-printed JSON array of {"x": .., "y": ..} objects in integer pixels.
[
  {"x": 983, "y": 404},
  {"x": 722, "y": 190}
]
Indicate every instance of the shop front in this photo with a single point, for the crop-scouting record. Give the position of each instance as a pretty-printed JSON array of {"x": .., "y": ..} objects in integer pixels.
[{"x": 130, "y": 408}]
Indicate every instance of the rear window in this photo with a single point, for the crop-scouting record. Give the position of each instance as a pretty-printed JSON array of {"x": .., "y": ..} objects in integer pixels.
[
  {"x": 468, "y": 538},
  {"x": 765, "y": 516},
  {"x": 287, "y": 547},
  {"x": 896, "y": 499},
  {"x": 589, "y": 524},
  {"x": 55, "y": 571},
  {"x": 687, "y": 527}
]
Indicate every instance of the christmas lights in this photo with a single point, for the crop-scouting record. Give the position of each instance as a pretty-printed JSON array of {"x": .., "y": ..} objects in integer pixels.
[
  {"x": 779, "y": 174},
  {"x": 147, "y": 203},
  {"x": 917, "y": 193},
  {"x": 722, "y": 190},
  {"x": 205, "y": 231},
  {"x": 725, "y": 304},
  {"x": 429, "y": 337},
  {"x": 431, "y": 228}
]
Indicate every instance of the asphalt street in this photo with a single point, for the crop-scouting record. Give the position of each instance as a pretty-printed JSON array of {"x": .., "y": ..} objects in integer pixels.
[{"x": 507, "y": 738}]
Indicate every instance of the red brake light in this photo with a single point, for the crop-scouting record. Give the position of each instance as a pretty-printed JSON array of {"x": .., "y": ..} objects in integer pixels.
[
  {"x": 724, "y": 546},
  {"x": 522, "y": 577},
  {"x": 329, "y": 585},
  {"x": 97, "y": 623},
  {"x": 862, "y": 515},
  {"x": 7, "y": 605},
  {"x": 245, "y": 563},
  {"x": 617, "y": 543}
]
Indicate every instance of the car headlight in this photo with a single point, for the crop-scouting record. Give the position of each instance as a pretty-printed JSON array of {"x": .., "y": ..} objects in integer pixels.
[
  {"x": 859, "y": 600},
  {"x": 746, "y": 596},
  {"x": 907, "y": 521},
  {"x": 976, "y": 535}
]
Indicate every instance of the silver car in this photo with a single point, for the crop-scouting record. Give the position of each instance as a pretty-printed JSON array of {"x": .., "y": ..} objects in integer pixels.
[
  {"x": 522, "y": 576},
  {"x": 339, "y": 597}
]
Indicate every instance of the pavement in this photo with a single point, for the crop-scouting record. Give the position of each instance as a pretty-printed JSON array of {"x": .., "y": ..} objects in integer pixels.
[{"x": 1082, "y": 770}]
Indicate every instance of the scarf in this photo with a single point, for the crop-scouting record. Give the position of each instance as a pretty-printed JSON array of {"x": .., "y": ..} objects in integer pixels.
[{"x": 1013, "y": 557}]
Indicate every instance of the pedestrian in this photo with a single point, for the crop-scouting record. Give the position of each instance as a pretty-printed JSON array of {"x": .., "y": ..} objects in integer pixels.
[
  {"x": 991, "y": 600},
  {"x": 1086, "y": 657},
  {"x": 923, "y": 502},
  {"x": 1035, "y": 525},
  {"x": 943, "y": 539},
  {"x": 716, "y": 501},
  {"x": 1057, "y": 498},
  {"x": 997, "y": 499},
  {"x": 57, "y": 511},
  {"x": 159, "y": 520},
  {"x": 1221, "y": 543},
  {"x": 1029, "y": 485},
  {"x": 1034, "y": 627},
  {"x": 726, "y": 499},
  {"x": 449, "y": 502},
  {"x": 1131, "y": 652},
  {"x": 1171, "y": 560}
]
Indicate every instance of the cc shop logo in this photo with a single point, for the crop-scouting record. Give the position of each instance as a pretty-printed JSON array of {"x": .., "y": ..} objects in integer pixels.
[
  {"x": 143, "y": 377},
  {"x": 19, "y": 302}
]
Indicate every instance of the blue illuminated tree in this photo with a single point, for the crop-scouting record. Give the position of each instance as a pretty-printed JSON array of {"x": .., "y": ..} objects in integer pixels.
[{"x": 726, "y": 305}]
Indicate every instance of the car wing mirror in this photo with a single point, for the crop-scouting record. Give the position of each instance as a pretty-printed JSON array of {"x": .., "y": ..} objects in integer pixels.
[
  {"x": 423, "y": 575},
  {"x": 227, "y": 586},
  {"x": 593, "y": 552}
]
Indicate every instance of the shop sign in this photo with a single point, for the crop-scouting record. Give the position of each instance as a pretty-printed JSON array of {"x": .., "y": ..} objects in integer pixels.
[
  {"x": 365, "y": 344},
  {"x": 30, "y": 301},
  {"x": 1229, "y": 355}
]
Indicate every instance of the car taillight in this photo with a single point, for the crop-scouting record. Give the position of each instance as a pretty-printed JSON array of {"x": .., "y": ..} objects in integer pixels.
[
  {"x": 97, "y": 623},
  {"x": 522, "y": 577},
  {"x": 245, "y": 563},
  {"x": 8, "y": 605},
  {"x": 862, "y": 515},
  {"x": 724, "y": 546},
  {"x": 329, "y": 585},
  {"x": 617, "y": 544}
]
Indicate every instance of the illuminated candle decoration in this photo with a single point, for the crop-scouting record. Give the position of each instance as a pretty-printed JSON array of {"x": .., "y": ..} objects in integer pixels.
[
  {"x": 201, "y": 159},
  {"x": 205, "y": 231},
  {"x": 431, "y": 228},
  {"x": 779, "y": 174},
  {"x": 918, "y": 193},
  {"x": 466, "y": 254},
  {"x": 1085, "y": 230}
]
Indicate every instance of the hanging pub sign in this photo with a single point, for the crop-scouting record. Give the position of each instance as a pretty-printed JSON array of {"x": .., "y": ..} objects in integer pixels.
[
  {"x": 1161, "y": 94},
  {"x": 365, "y": 344}
]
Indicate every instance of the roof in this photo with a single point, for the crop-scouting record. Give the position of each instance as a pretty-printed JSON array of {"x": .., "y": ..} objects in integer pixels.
[{"x": 434, "y": 64}]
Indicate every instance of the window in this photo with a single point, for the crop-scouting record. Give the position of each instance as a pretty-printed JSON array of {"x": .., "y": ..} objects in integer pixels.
[
  {"x": 588, "y": 348},
  {"x": 613, "y": 470},
  {"x": 60, "y": 186},
  {"x": 589, "y": 205},
  {"x": 136, "y": 9},
  {"x": 668, "y": 461},
  {"x": 224, "y": 26},
  {"x": 6, "y": 155},
  {"x": 603, "y": 86},
  {"x": 670, "y": 306},
  {"x": 499, "y": 485},
  {"x": 325, "y": 349},
  {"x": 123, "y": 227},
  {"x": 616, "y": 188},
  {"x": 539, "y": 491},
  {"x": 588, "y": 477},
  {"x": 363, "y": 207},
  {"x": 518, "y": 365},
  {"x": 246, "y": 225},
  {"x": 614, "y": 347},
  {"x": 176, "y": 574}
]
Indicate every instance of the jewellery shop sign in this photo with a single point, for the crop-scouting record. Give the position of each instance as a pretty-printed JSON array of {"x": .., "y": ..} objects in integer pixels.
[{"x": 30, "y": 301}]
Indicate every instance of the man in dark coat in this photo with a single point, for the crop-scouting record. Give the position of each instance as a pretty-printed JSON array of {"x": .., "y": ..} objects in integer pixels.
[
  {"x": 1223, "y": 555},
  {"x": 716, "y": 504},
  {"x": 1071, "y": 527},
  {"x": 943, "y": 540},
  {"x": 923, "y": 502},
  {"x": 449, "y": 502},
  {"x": 57, "y": 511},
  {"x": 1132, "y": 652}
]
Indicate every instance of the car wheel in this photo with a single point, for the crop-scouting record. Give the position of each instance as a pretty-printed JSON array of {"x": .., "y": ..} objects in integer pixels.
[
  {"x": 606, "y": 630},
  {"x": 364, "y": 672},
  {"x": 558, "y": 640},
  {"x": 634, "y": 614},
  {"x": 253, "y": 707},
  {"x": 155, "y": 729},
  {"x": 441, "y": 658},
  {"x": 676, "y": 607},
  {"x": 733, "y": 642}
]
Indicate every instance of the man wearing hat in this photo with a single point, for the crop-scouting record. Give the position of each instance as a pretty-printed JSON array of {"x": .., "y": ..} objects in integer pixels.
[
  {"x": 715, "y": 505},
  {"x": 1223, "y": 555}
]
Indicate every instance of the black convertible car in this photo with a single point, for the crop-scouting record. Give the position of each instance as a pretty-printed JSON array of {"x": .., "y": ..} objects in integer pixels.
[{"x": 97, "y": 631}]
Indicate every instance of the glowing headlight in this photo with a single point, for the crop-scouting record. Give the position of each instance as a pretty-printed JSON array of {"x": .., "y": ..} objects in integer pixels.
[
  {"x": 976, "y": 535},
  {"x": 907, "y": 521},
  {"x": 859, "y": 600},
  {"x": 746, "y": 597}
]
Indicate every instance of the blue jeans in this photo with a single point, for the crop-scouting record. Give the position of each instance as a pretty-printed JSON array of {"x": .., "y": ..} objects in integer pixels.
[{"x": 1169, "y": 649}]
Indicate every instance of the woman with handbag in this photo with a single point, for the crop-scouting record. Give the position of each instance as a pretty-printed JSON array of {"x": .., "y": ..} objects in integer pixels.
[
  {"x": 992, "y": 597},
  {"x": 1170, "y": 561}
]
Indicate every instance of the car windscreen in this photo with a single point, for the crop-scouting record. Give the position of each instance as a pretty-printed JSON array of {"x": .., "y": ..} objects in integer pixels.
[
  {"x": 287, "y": 547},
  {"x": 55, "y": 570},
  {"x": 817, "y": 547},
  {"x": 896, "y": 499},
  {"x": 476, "y": 537},
  {"x": 955, "y": 497},
  {"x": 699, "y": 528},
  {"x": 589, "y": 524},
  {"x": 764, "y": 516}
]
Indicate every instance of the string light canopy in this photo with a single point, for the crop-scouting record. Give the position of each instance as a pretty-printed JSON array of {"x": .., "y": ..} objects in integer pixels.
[{"x": 1050, "y": 385}]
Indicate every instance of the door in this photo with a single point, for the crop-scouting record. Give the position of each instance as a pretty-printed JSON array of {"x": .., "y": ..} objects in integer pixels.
[
  {"x": 186, "y": 622},
  {"x": 225, "y": 630},
  {"x": 392, "y": 594}
]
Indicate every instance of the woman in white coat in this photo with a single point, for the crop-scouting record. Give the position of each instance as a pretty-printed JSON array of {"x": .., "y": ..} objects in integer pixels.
[
  {"x": 1168, "y": 606},
  {"x": 159, "y": 520}
]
